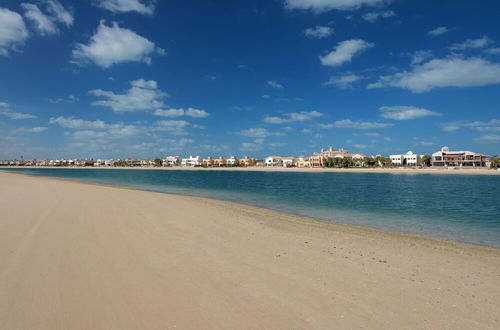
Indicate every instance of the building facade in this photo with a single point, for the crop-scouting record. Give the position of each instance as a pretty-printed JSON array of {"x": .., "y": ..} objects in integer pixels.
[{"x": 445, "y": 158}]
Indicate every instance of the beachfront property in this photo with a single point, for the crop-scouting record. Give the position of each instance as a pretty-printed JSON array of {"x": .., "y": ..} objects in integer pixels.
[
  {"x": 246, "y": 161},
  {"x": 171, "y": 161},
  {"x": 409, "y": 159},
  {"x": 445, "y": 158},
  {"x": 232, "y": 161},
  {"x": 191, "y": 161},
  {"x": 272, "y": 161},
  {"x": 220, "y": 162}
]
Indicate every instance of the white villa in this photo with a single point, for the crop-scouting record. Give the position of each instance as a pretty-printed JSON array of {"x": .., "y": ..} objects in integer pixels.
[
  {"x": 232, "y": 161},
  {"x": 191, "y": 161},
  {"x": 172, "y": 161},
  {"x": 445, "y": 158},
  {"x": 409, "y": 159}
]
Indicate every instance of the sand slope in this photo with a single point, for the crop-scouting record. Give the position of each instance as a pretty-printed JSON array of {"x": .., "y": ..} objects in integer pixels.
[{"x": 78, "y": 256}]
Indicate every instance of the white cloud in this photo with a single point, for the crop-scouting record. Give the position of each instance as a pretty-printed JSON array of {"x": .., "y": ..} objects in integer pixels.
[
  {"x": 318, "y": 32},
  {"x": 472, "y": 43},
  {"x": 143, "y": 95},
  {"x": 440, "y": 73},
  {"x": 112, "y": 45},
  {"x": 406, "y": 112},
  {"x": 122, "y": 6},
  {"x": 490, "y": 138},
  {"x": 493, "y": 51},
  {"x": 343, "y": 82},
  {"x": 374, "y": 16},
  {"x": 489, "y": 126},
  {"x": 325, "y": 5},
  {"x": 275, "y": 84},
  {"x": 13, "y": 31},
  {"x": 42, "y": 22},
  {"x": 59, "y": 13},
  {"x": 347, "y": 123},
  {"x": 5, "y": 111},
  {"x": 424, "y": 144},
  {"x": 31, "y": 129},
  {"x": 190, "y": 112},
  {"x": 69, "y": 99},
  {"x": 46, "y": 24},
  {"x": 174, "y": 127},
  {"x": 345, "y": 51},
  {"x": 258, "y": 133},
  {"x": 420, "y": 56},
  {"x": 292, "y": 117},
  {"x": 439, "y": 31},
  {"x": 82, "y": 124}
]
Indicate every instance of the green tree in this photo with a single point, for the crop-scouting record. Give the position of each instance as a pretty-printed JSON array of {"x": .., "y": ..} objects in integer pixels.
[
  {"x": 426, "y": 160},
  {"x": 495, "y": 161},
  {"x": 157, "y": 162}
]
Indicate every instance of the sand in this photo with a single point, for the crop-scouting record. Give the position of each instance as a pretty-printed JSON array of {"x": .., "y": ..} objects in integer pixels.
[{"x": 81, "y": 256}]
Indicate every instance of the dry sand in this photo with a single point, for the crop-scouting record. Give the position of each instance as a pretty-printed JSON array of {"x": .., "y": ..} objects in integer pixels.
[{"x": 81, "y": 256}]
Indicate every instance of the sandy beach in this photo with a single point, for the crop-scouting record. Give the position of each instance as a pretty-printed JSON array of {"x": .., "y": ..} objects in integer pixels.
[{"x": 82, "y": 256}]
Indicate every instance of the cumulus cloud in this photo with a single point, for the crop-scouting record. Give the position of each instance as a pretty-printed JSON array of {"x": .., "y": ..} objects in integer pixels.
[
  {"x": 347, "y": 123},
  {"x": 472, "y": 43},
  {"x": 112, "y": 45},
  {"x": 446, "y": 72},
  {"x": 31, "y": 129},
  {"x": 81, "y": 124},
  {"x": 325, "y": 5},
  {"x": 189, "y": 112},
  {"x": 406, "y": 112},
  {"x": 42, "y": 22},
  {"x": 13, "y": 31},
  {"x": 372, "y": 17},
  {"x": 343, "y": 82},
  {"x": 493, "y": 51},
  {"x": 482, "y": 126},
  {"x": 292, "y": 117},
  {"x": 174, "y": 127},
  {"x": 345, "y": 51},
  {"x": 490, "y": 138},
  {"x": 143, "y": 95},
  {"x": 46, "y": 23},
  {"x": 123, "y": 6},
  {"x": 439, "y": 31},
  {"x": 318, "y": 32},
  {"x": 420, "y": 56},
  {"x": 258, "y": 133},
  {"x": 68, "y": 99},
  {"x": 5, "y": 111},
  {"x": 275, "y": 84}
]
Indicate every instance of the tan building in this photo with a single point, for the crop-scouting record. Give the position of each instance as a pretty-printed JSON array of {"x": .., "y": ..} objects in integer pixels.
[
  {"x": 245, "y": 161},
  {"x": 207, "y": 162},
  {"x": 303, "y": 162},
  {"x": 316, "y": 161},
  {"x": 221, "y": 161},
  {"x": 445, "y": 158}
]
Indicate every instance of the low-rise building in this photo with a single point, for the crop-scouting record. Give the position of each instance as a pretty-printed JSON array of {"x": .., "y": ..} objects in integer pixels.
[
  {"x": 246, "y": 161},
  {"x": 171, "y": 161},
  {"x": 232, "y": 161},
  {"x": 208, "y": 162},
  {"x": 445, "y": 158},
  {"x": 221, "y": 161},
  {"x": 409, "y": 159},
  {"x": 192, "y": 161},
  {"x": 303, "y": 162},
  {"x": 272, "y": 161}
]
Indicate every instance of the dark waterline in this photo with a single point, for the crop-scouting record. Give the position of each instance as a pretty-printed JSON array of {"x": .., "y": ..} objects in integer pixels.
[{"x": 463, "y": 208}]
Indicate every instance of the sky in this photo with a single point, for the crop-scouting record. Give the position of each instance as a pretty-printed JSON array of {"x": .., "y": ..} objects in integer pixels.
[{"x": 142, "y": 78}]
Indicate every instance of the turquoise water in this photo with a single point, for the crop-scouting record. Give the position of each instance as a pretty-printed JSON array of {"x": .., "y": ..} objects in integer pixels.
[{"x": 458, "y": 207}]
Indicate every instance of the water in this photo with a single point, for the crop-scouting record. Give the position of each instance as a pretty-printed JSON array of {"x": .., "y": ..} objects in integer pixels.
[{"x": 463, "y": 208}]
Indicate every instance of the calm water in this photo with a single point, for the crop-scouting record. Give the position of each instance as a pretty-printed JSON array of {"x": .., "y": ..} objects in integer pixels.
[{"x": 459, "y": 207}]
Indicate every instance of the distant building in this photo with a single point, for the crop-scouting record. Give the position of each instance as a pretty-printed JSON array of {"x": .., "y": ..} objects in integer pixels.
[
  {"x": 272, "y": 161},
  {"x": 303, "y": 162},
  {"x": 232, "y": 161},
  {"x": 221, "y": 161},
  {"x": 445, "y": 158},
  {"x": 207, "y": 162},
  {"x": 191, "y": 161},
  {"x": 246, "y": 161},
  {"x": 171, "y": 161},
  {"x": 409, "y": 159}
]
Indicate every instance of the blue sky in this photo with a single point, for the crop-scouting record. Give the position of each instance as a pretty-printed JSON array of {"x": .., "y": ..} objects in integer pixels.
[{"x": 120, "y": 78}]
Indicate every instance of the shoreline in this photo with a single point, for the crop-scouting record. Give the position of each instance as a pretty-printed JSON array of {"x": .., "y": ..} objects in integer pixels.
[
  {"x": 338, "y": 225},
  {"x": 462, "y": 171},
  {"x": 115, "y": 257}
]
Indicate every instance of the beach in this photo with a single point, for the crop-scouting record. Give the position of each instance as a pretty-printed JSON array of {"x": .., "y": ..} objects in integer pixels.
[{"x": 83, "y": 256}]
